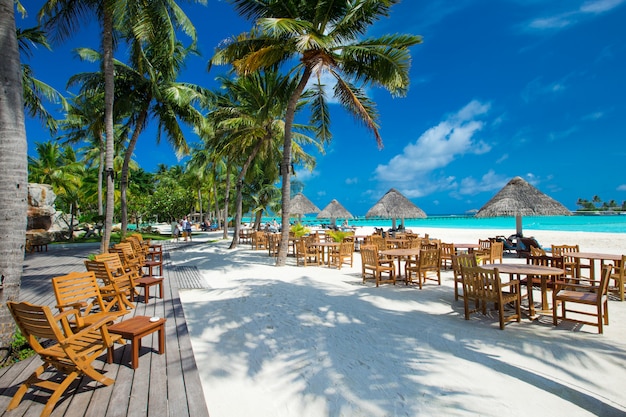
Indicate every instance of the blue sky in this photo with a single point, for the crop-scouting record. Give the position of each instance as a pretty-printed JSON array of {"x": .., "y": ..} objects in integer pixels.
[{"x": 499, "y": 88}]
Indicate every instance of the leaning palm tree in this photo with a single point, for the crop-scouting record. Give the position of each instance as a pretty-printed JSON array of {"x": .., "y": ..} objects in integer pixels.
[{"x": 325, "y": 38}]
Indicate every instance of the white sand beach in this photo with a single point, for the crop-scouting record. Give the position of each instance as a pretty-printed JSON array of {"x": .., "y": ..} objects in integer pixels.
[{"x": 316, "y": 341}]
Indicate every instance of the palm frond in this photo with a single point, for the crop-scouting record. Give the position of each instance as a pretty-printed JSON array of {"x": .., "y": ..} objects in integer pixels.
[{"x": 356, "y": 102}]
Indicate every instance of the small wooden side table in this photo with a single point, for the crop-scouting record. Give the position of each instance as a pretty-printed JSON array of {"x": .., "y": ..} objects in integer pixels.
[
  {"x": 135, "y": 328},
  {"x": 146, "y": 283}
]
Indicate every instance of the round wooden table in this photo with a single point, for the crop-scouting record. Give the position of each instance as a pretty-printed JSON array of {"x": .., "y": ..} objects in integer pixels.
[
  {"x": 401, "y": 254},
  {"x": 544, "y": 272}
]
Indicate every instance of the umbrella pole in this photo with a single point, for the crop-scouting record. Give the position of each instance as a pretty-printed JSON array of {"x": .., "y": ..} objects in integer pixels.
[{"x": 518, "y": 225}]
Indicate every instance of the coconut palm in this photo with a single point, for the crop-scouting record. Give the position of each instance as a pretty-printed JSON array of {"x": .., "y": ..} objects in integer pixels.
[
  {"x": 13, "y": 169},
  {"x": 250, "y": 114},
  {"x": 325, "y": 38}
]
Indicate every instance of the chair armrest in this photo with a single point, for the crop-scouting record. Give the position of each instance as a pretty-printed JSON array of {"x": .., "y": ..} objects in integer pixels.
[{"x": 75, "y": 306}]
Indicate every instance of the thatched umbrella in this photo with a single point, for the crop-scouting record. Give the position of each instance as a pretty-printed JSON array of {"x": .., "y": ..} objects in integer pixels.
[
  {"x": 301, "y": 205},
  {"x": 395, "y": 206},
  {"x": 519, "y": 198},
  {"x": 334, "y": 210}
]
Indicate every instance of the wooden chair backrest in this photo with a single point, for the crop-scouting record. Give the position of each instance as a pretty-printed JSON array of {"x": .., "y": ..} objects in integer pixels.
[
  {"x": 429, "y": 259},
  {"x": 369, "y": 255},
  {"x": 119, "y": 284},
  {"x": 447, "y": 250},
  {"x": 562, "y": 250},
  {"x": 346, "y": 248},
  {"x": 463, "y": 260},
  {"x": 484, "y": 244},
  {"x": 78, "y": 290},
  {"x": 481, "y": 284}
]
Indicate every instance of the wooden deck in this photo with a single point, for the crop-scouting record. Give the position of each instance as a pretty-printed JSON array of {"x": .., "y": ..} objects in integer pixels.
[{"x": 162, "y": 385}]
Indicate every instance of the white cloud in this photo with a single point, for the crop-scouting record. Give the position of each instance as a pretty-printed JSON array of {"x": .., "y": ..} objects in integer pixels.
[
  {"x": 573, "y": 16},
  {"x": 435, "y": 149},
  {"x": 487, "y": 183},
  {"x": 305, "y": 175},
  {"x": 350, "y": 181},
  {"x": 621, "y": 187}
]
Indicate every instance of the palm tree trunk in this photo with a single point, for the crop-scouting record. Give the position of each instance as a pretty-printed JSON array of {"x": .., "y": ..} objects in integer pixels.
[
  {"x": 13, "y": 170},
  {"x": 226, "y": 199},
  {"x": 100, "y": 177},
  {"x": 285, "y": 167},
  {"x": 109, "y": 88},
  {"x": 125, "y": 168},
  {"x": 239, "y": 188}
]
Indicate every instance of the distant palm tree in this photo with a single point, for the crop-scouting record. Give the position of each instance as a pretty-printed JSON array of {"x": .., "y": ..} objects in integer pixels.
[{"x": 325, "y": 38}]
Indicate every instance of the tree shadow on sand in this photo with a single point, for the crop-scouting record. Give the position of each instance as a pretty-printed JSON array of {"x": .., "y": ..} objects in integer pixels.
[{"x": 344, "y": 346}]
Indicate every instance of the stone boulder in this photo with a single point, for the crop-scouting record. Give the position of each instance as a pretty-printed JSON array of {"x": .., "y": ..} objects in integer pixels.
[{"x": 40, "y": 213}]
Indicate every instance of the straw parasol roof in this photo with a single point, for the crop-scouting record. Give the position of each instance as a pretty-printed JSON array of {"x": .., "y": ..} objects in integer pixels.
[
  {"x": 334, "y": 210},
  {"x": 395, "y": 206},
  {"x": 301, "y": 205},
  {"x": 519, "y": 198}
]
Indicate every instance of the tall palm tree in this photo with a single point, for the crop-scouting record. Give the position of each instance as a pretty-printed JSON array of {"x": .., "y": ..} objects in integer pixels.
[
  {"x": 325, "y": 38},
  {"x": 250, "y": 115},
  {"x": 63, "y": 17},
  {"x": 13, "y": 169}
]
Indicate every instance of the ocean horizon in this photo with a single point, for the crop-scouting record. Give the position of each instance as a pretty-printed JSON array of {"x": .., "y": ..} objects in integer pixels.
[{"x": 575, "y": 223}]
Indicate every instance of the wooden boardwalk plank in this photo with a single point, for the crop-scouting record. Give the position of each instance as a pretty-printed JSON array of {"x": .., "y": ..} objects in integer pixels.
[{"x": 162, "y": 385}]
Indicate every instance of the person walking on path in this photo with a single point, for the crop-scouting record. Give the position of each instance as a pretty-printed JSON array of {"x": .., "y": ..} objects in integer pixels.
[{"x": 187, "y": 228}]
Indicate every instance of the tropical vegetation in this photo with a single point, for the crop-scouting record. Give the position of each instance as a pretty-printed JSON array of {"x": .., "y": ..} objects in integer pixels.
[{"x": 251, "y": 137}]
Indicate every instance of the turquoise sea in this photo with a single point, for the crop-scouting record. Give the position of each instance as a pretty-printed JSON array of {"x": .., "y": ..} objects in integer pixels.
[{"x": 598, "y": 223}]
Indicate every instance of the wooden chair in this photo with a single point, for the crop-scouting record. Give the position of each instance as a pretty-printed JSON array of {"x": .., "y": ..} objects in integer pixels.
[
  {"x": 493, "y": 254},
  {"x": 447, "y": 251},
  {"x": 122, "y": 285},
  {"x": 259, "y": 240},
  {"x": 593, "y": 296},
  {"x": 573, "y": 266},
  {"x": 344, "y": 255},
  {"x": 127, "y": 255},
  {"x": 372, "y": 265},
  {"x": 535, "y": 281},
  {"x": 152, "y": 254},
  {"x": 72, "y": 355},
  {"x": 484, "y": 286},
  {"x": 619, "y": 270},
  {"x": 458, "y": 261},
  {"x": 428, "y": 264},
  {"x": 483, "y": 247},
  {"x": 273, "y": 244},
  {"x": 79, "y": 291},
  {"x": 307, "y": 254}
]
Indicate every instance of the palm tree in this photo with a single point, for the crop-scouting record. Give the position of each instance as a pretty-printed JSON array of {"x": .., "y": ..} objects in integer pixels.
[
  {"x": 63, "y": 17},
  {"x": 13, "y": 169},
  {"x": 325, "y": 38},
  {"x": 58, "y": 167},
  {"x": 250, "y": 116}
]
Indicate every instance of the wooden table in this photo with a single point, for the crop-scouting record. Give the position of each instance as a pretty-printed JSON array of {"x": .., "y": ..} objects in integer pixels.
[
  {"x": 135, "y": 328},
  {"x": 146, "y": 283},
  {"x": 592, "y": 256},
  {"x": 469, "y": 246},
  {"x": 325, "y": 248},
  {"x": 544, "y": 272},
  {"x": 401, "y": 254}
]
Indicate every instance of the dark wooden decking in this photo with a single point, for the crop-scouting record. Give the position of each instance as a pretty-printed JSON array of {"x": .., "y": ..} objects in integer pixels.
[{"x": 162, "y": 385}]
